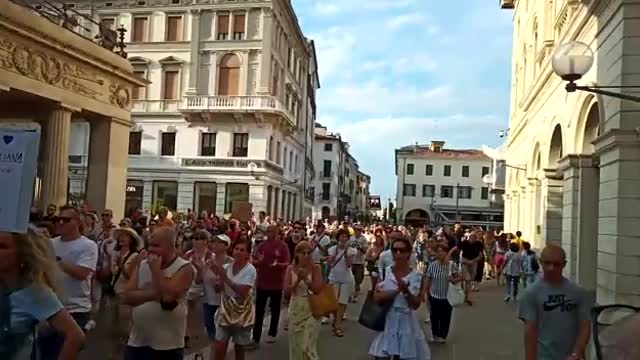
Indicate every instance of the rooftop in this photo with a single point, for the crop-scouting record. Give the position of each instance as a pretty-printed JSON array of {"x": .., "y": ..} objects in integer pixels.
[{"x": 436, "y": 150}]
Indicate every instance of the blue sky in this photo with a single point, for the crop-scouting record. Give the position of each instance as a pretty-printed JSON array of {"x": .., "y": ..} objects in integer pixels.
[{"x": 396, "y": 72}]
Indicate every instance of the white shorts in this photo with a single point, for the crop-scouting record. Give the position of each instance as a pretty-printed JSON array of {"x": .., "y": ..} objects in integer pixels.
[
  {"x": 240, "y": 336},
  {"x": 344, "y": 291}
]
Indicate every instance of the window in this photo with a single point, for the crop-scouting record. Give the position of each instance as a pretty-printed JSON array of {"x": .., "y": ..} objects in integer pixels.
[
  {"x": 465, "y": 170},
  {"x": 326, "y": 191},
  {"x": 135, "y": 140},
  {"x": 328, "y": 147},
  {"x": 238, "y": 27},
  {"x": 290, "y": 161},
  {"x": 109, "y": 23},
  {"x": 484, "y": 193},
  {"x": 284, "y": 158},
  {"x": 133, "y": 196},
  {"x": 278, "y": 156},
  {"x": 428, "y": 190},
  {"x": 326, "y": 168},
  {"x": 464, "y": 192},
  {"x": 235, "y": 192},
  {"x": 447, "y": 170},
  {"x": 174, "y": 28},
  {"x": 166, "y": 194},
  {"x": 270, "y": 151},
  {"x": 229, "y": 75},
  {"x": 168, "y": 146},
  {"x": 208, "y": 144},
  {"x": 223, "y": 27},
  {"x": 140, "y": 29},
  {"x": 446, "y": 191},
  {"x": 204, "y": 197},
  {"x": 428, "y": 170},
  {"x": 139, "y": 92},
  {"x": 485, "y": 170},
  {"x": 295, "y": 164},
  {"x": 171, "y": 83},
  {"x": 410, "y": 168},
  {"x": 241, "y": 144},
  {"x": 409, "y": 190}
]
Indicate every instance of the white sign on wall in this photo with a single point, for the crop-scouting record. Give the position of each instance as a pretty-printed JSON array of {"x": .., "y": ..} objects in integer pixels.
[{"x": 18, "y": 162}]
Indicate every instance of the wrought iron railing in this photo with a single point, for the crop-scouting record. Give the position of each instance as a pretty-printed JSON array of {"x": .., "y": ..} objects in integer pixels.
[{"x": 65, "y": 15}]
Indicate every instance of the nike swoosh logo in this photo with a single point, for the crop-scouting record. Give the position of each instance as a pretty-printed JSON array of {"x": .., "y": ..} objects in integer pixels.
[{"x": 547, "y": 307}]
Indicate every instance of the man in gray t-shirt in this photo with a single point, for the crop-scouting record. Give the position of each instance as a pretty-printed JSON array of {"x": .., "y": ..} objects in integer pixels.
[{"x": 556, "y": 313}]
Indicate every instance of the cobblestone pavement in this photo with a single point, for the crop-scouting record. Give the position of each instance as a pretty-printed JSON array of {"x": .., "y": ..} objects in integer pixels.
[{"x": 488, "y": 330}]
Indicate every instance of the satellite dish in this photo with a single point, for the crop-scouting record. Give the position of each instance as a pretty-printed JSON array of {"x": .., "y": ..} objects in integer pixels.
[
  {"x": 252, "y": 166},
  {"x": 488, "y": 179}
]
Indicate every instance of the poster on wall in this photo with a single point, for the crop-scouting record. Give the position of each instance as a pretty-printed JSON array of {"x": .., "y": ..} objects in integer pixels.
[
  {"x": 18, "y": 162},
  {"x": 374, "y": 202},
  {"x": 242, "y": 210}
]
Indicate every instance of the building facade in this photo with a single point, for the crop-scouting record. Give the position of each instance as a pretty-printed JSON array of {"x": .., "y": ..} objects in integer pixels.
[
  {"x": 228, "y": 110},
  {"x": 51, "y": 76},
  {"x": 436, "y": 185},
  {"x": 579, "y": 153}
]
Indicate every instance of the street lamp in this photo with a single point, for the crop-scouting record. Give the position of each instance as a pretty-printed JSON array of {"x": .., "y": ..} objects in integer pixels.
[{"x": 572, "y": 60}]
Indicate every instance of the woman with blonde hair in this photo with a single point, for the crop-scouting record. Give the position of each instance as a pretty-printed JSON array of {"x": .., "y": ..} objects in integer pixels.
[
  {"x": 302, "y": 279},
  {"x": 27, "y": 296}
]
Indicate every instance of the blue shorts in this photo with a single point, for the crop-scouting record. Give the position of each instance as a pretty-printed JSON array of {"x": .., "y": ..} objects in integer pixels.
[{"x": 209, "y": 315}]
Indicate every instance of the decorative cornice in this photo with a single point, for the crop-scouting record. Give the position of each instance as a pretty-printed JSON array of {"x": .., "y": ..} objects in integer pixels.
[
  {"x": 616, "y": 138},
  {"x": 576, "y": 161},
  {"x": 552, "y": 174}
]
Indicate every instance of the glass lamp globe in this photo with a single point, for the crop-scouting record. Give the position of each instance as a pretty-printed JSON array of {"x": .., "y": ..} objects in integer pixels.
[{"x": 572, "y": 60}]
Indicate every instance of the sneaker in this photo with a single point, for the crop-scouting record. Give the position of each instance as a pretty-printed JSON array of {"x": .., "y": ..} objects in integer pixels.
[
  {"x": 271, "y": 339},
  {"x": 507, "y": 298}
]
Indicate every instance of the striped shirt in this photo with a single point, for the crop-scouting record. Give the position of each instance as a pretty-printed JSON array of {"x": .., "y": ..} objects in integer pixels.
[
  {"x": 439, "y": 274},
  {"x": 514, "y": 264}
]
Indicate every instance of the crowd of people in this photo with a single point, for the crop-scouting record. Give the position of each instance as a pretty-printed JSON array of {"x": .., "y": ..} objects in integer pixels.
[{"x": 165, "y": 278}]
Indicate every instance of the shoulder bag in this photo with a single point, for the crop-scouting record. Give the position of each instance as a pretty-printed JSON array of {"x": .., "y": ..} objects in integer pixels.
[
  {"x": 373, "y": 315},
  {"x": 455, "y": 294},
  {"x": 324, "y": 302}
]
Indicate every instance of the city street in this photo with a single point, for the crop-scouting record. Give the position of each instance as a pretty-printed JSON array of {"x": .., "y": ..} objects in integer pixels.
[{"x": 486, "y": 331}]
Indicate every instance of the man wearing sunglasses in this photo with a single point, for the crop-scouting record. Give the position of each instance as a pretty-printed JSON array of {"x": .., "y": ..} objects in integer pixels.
[
  {"x": 77, "y": 257},
  {"x": 556, "y": 312}
]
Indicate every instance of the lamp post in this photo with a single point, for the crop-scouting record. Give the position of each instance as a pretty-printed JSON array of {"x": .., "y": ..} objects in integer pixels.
[{"x": 572, "y": 60}]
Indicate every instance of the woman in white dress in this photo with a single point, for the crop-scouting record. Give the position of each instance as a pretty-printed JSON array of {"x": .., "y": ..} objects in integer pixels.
[{"x": 402, "y": 338}]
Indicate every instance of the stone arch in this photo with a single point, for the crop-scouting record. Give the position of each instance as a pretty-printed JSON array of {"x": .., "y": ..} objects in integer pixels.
[
  {"x": 534, "y": 165},
  {"x": 417, "y": 217},
  {"x": 555, "y": 147}
]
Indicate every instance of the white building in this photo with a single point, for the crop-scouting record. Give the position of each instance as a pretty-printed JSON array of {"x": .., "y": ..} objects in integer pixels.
[
  {"x": 340, "y": 187},
  {"x": 439, "y": 185},
  {"x": 229, "y": 107},
  {"x": 580, "y": 154}
]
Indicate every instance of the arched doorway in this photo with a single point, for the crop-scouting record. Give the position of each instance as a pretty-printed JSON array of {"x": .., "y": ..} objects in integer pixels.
[
  {"x": 591, "y": 129},
  {"x": 325, "y": 212},
  {"x": 417, "y": 218},
  {"x": 555, "y": 147}
]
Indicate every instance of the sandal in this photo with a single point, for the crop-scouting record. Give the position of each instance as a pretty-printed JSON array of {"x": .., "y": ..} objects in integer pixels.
[{"x": 338, "y": 332}]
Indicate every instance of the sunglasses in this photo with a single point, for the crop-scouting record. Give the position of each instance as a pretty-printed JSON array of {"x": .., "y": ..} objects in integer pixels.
[
  {"x": 64, "y": 219},
  {"x": 397, "y": 250}
]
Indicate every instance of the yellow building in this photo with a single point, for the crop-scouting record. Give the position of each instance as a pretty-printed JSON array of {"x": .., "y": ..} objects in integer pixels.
[
  {"x": 580, "y": 153},
  {"x": 50, "y": 75}
]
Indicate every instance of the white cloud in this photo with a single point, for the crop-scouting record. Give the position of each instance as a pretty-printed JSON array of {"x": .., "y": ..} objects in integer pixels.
[
  {"x": 376, "y": 98},
  {"x": 326, "y": 8},
  {"x": 334, "y": 48},
  {"x": 333, "y": 7},
  {"x": 400, "y": 21}
]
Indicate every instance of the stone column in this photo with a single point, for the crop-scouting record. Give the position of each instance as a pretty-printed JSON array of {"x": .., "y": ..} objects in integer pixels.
[
  {"x": 552, "y": 207},
  {"x": 55, "y": 170},
  {"x": 507, "y": 212},
  {"x": 194, "y": 67},
  {"x": 267, "y": 44},
  {"x": 515, "y": 212},
  {"x": 147, "y": 196},
  {"x": 257, "y": 197},
  {"x": 221, "y": 193},
  {"x": 534, "y": 201},
  {"x": 619, "y": 200},
  {"x": 185, "y": 196},
  {"x": 108, "y": 163},
  {"x": 525, "y": 210}
]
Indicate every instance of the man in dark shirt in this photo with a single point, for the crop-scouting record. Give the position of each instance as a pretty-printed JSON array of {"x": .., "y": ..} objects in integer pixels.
[{"x": 472, "y": 249}]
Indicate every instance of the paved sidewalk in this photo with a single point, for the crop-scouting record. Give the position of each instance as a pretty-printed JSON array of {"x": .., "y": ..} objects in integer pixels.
[{"x": 488, "y": 330}]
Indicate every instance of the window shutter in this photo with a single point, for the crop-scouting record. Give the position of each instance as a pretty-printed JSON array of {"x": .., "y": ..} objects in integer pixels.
[
  {"x": 171, "y": 85},
  {"x": 223, "y": 24},
  {"x": 140, "y": 29},
  {"x": 174, "y": 28},
  {"x": 238, "y": 23}
]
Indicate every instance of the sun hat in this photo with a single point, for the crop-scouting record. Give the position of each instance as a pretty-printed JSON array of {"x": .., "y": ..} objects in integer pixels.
[
  {"x": 129, "y": 231},
  {"x": 224, "y": 238}
]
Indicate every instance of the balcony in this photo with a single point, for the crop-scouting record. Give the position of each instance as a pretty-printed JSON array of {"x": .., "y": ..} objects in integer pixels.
[
  {"x": 239, "y": 104},
  {"x": 155, "y": 106}
]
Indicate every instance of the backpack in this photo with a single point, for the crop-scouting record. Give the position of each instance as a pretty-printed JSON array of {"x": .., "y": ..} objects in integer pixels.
[{"x": 10, "y": 342}]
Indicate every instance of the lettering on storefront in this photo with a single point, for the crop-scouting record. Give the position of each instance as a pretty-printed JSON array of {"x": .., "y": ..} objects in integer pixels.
[{"x": 230, "y": 163}]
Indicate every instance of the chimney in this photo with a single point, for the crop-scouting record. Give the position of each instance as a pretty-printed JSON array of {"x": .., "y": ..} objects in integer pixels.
[{"x": 436, "y": 146}]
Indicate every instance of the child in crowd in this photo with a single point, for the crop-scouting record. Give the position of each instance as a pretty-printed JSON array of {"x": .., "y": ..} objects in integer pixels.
[
  {"x": 531, "y": 265},
  {"x": 512, "y": 270}
]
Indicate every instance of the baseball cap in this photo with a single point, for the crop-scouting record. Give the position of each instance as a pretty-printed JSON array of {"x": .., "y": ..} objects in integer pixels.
[{"x": 224, "y": 238}]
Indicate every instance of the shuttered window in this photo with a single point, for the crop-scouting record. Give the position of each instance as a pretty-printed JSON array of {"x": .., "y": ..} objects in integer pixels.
[
  {"x": 238, "y": 27},
  {"x": 138, "y": 92},
  {"x": 223, "y": 27},
  {"x": 171, "y": 82},
  {"x": 174, "y": 28},
  {"x": 229, "y": 78},
  {"x": 140, "y": 29}
]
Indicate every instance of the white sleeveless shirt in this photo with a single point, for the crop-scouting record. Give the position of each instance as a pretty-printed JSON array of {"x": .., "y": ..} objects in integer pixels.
[{"x": 151, "y": 325}]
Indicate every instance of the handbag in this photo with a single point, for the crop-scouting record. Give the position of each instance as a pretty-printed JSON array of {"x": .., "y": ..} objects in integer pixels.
[
  {"x": 324, "y": 302},
  {"x": 236, "y": 311},
  {"x": 373, "y": 315},
  {"x": 455, "y": 294}
]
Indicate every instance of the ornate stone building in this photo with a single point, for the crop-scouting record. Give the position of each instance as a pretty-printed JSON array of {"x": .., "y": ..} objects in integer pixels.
[
  {"x": 227, "y": 114},
  {"x": 578, "y": 154},
  {"x": 51, "y": 76}
]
